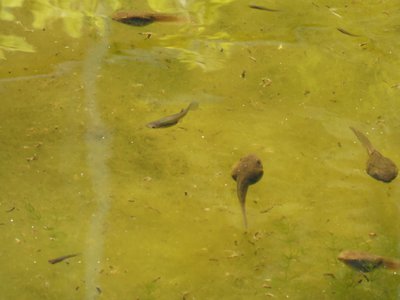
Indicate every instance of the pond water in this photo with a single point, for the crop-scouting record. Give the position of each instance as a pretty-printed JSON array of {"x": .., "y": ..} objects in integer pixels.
[{"x": 153, "y": 213}]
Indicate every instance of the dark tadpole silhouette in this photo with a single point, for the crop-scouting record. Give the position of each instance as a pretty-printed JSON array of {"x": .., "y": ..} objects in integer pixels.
[
  {"x": 247, "y": 171},
  {"x": 171, "y": 120},
  {"x": 61, "y": 258},
  {"x": 378, "y": 166},
  {"x": 367, "y": 262},
  {"x": 143, "y": 19}
]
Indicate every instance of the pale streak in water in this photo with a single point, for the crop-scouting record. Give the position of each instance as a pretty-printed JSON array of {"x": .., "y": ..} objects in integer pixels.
[
  {"x": 60, "y": 70},
  {"x": 98, "y": 151}
]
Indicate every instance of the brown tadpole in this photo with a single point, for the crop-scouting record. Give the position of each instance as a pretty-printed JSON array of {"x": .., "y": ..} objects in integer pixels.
[
  {"x": 247, "y": 171},
  {"x": 378, "y": 166},
  {"x": 346, "y": 32},
  {"x": 367, "y": 262},
  {"x": 259, "y": 7},
  {"x": 143, "y": 19},
  {"x": 171, "y": 120},
  {"x": 61, "y": 258}
]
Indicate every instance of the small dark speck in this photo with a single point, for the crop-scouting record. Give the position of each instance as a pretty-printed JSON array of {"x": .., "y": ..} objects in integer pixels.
[
  {"x": 77, "y": 288},
  {"x": 186, "y": 193},
  {"x": 243, "y": 75},
  {"x": 221, "y": 50},
  {"x": 306, "y": 92},
  {"x": 331, "y": 275},
  {"x": 98, "y": 289},
  {"x": 339, "y": 144},
  {"x": 156, "y": 279}
]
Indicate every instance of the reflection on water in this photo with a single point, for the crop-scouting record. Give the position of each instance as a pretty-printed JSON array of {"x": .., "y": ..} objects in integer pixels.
[
  {"x": 14, "y": 43},
  {"x": 98, "y": 142},
  {"x": 154, "y": 212}
]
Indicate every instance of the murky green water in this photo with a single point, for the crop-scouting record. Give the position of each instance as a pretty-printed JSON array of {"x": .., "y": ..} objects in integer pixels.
[{"x": 154, "y": 212}]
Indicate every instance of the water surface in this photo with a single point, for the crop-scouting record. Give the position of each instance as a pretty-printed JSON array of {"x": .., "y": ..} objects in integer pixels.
[{"x": 154, "y": 212}]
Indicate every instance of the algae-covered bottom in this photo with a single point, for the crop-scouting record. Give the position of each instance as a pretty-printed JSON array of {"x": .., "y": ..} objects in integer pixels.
[{"x": 153, "y": 212}]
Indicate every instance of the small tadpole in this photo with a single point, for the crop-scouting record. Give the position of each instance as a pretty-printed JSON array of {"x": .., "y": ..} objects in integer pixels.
[
  {"x": 346, "y": 32},
  {"x": 259, "y": 7},
  {"x": 10, "y": 210},
  {"x": 266, "y": 210},
  {"x": 61, "y": 258},
  {"x": 156, "y": 279},
  {"x": 144, "y": 19},
  {"x": 331, "y": 275}
]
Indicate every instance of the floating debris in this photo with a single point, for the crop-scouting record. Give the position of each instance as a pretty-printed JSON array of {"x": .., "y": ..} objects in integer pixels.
[
  {"x": 247, "y": 171},
  {"x": 333, "y": 11},
  {"x": 32, "y": 158},
  {"x": 172, "y": 119},
  {"x": 397, "y": 86},
  {"x": 146, "y": 34},
  {"x": 265, "y": 82},
  {"x": 378, "y": 166},
  {"x": 143, "y": 19}
]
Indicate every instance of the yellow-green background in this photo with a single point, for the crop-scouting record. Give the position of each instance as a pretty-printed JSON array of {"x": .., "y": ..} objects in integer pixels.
[{"x": 153, "y": 212}]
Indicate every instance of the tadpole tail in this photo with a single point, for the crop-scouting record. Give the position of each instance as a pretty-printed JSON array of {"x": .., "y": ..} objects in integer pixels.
[
  {"x": 242, "y": 192},
  {"x": 243, "y": 207},
  {"x": 193, "y": 105},
  {"x": 363, "y": 140}
]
